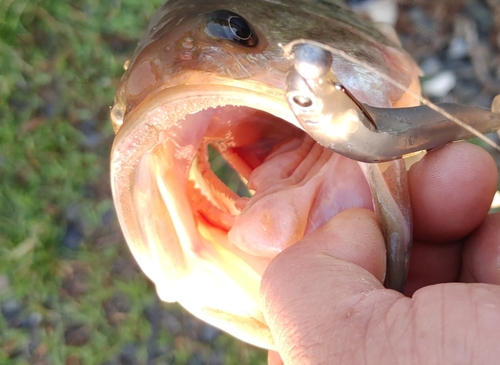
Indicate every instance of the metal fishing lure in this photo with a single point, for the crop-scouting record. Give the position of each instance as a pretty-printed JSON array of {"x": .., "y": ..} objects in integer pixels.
[{"x": 331, "y": 115}]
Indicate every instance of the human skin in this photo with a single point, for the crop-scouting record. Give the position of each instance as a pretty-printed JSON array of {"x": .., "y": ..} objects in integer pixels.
[{"x": 325, "y": 303}]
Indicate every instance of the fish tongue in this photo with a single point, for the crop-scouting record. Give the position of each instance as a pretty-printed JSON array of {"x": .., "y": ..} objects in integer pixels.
[{"x": 299, "y": 187}]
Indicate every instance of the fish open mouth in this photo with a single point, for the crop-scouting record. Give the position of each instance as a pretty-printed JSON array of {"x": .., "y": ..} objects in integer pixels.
[
  {"x": 298, "y": 185},
  {"x": 202, "y": 243}
]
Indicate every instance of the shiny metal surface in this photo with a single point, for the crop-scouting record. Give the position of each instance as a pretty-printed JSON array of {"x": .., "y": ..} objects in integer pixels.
[{"x": 330, "y": 114}]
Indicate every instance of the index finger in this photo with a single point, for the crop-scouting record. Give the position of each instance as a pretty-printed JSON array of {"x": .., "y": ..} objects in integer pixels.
[{"x": 451, "y": 191}]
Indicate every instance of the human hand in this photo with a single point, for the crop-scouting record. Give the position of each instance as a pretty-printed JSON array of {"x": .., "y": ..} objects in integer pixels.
[{"x": 325, "y": 303}]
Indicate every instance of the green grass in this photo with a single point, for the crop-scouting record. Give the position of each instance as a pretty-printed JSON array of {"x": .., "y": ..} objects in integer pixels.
[{"x": 77, "y": 295}]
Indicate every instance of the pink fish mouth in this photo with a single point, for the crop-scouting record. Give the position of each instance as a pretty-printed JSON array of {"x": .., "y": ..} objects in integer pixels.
[
  {"x": 199, "y": 241},
  {"x": 298, "y": 184}
]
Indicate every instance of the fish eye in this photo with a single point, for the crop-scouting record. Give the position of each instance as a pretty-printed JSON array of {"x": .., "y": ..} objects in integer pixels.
[{"x": 225, "y": 24}]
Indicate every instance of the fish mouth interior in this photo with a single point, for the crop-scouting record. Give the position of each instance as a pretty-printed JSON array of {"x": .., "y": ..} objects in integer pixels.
[
  {"x": 293, "y": 185},
  {"x": 202, "y": 243}
]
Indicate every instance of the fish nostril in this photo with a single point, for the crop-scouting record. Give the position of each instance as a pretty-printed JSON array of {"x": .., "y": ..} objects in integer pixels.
[{"x": 225, "y": 24}]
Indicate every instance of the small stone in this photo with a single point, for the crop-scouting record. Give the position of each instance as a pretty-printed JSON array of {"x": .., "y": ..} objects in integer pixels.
[
  {"x": 73, "y": 236},
  {"x": 76, "y": 335},
  {"x": 466, "y": 89},
  {"x": 482, "y": 16},
  {"x": 495, "y": 105},
  {"x": 173, "y": 324},
  {"x": 418, "y": 16},
  {"x": 440, "y": 84},
  {"x": 207, "y": 333},
  {"x": 385, "y": 11},
  {"x": 128, "y": 355},
  {"x": 11, "y": 310},
  {"x": 33, "y": 320},
  {"x": 92, "y": 137},
  {"x": 457, "y": 48},
  {"x": 75, "y": 282},
  {"x": 481, "y": 100},
  {"x": 117, "y": 309},
  {"x": 431, "y": 65}
]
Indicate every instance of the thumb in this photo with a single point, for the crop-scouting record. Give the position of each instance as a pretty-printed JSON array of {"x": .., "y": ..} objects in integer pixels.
[
  {"x": 306, "y": 285},
  {"x": 324, "y": 303}
]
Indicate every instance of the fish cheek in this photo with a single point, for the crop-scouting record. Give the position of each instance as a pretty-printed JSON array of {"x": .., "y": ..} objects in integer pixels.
[
  {"x": 146, "y": 73},
  {"x": 141, "y": 79}
]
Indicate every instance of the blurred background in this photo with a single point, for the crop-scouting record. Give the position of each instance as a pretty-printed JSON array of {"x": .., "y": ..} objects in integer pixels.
[{"x": 70, "y": 293}]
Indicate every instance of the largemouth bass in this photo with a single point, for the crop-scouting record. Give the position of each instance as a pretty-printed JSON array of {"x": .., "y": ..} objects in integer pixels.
[{"x": 212, "y": 73}]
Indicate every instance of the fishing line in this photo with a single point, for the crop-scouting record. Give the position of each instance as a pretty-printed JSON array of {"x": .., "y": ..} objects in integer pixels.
[{"x": 288, "y": 52}]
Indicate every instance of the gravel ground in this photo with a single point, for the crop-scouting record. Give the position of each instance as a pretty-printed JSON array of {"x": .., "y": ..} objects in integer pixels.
[{"x": 456, "y": 43}]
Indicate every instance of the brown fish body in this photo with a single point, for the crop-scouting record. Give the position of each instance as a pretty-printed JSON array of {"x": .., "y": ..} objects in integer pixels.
[{"x": 191, "y": 85}]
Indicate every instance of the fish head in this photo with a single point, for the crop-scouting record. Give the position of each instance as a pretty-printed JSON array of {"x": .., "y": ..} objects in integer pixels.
[{"x": 211, "y": 75}]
